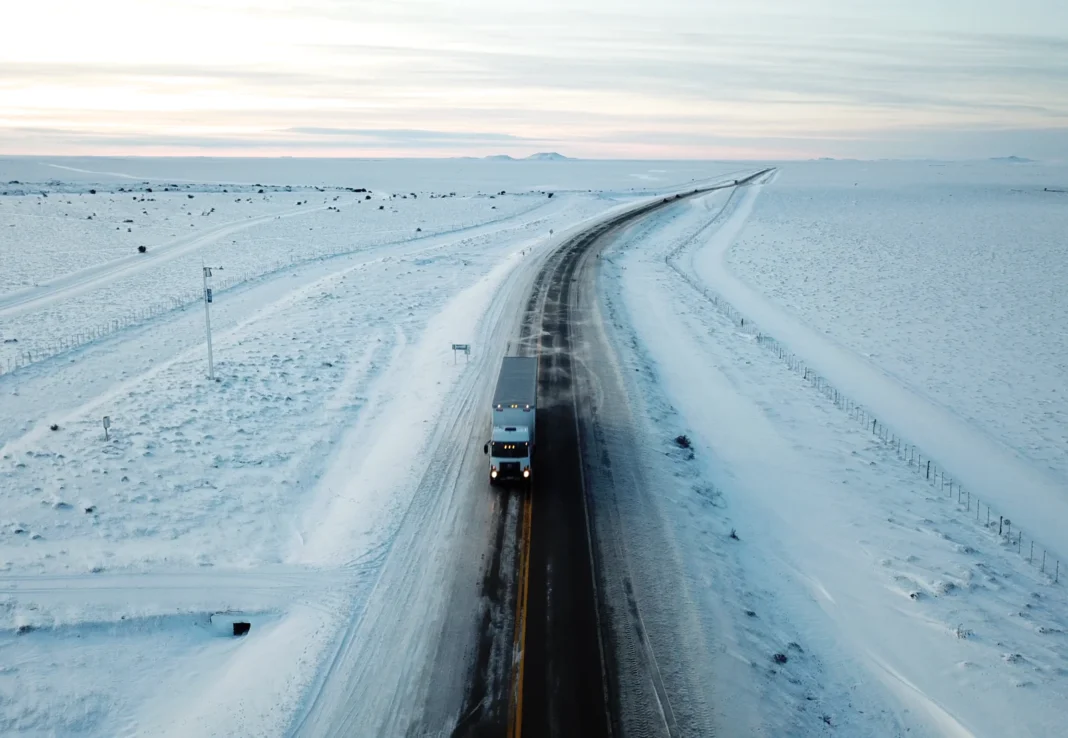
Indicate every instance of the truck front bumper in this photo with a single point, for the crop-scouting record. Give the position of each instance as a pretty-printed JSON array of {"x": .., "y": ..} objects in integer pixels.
[{"x": 511, "y": 471}]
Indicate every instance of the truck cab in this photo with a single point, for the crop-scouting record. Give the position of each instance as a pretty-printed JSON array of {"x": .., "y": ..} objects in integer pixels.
[{"x": 510, "y": 450}]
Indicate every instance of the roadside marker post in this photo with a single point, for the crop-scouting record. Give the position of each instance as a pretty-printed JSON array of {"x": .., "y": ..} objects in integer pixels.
[
  {"x": 107, "y": 424},
  {"x": 207, "y": 318}
]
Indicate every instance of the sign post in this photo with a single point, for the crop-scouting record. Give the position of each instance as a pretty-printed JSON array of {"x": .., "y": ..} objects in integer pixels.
[
  {"x": 465, "y": 347},
  {"x": 207, "y": 318},
  {"x": 107, "y": 424}
]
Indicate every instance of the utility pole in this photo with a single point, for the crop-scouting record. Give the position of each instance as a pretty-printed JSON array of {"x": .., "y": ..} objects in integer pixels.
[{"x": 207, "y": 318}]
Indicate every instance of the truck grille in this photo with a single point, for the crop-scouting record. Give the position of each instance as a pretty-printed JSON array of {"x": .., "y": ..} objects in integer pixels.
[{"x": 509, "y": 468}]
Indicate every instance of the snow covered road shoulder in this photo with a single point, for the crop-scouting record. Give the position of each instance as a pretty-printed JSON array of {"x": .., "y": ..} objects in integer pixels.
[
  {"x": 853, "y": 598},
  {"x": 232, "y": 478},
  {"x": 934, "y": 303}
]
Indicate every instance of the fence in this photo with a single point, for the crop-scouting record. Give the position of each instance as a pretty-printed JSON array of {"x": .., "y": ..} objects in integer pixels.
[
  {"x": 42, "y": 351},
  {"x": 1036, "y": 554}
]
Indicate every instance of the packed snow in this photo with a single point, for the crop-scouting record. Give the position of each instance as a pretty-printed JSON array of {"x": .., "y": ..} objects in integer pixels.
[{"x": 825, "y": 586}]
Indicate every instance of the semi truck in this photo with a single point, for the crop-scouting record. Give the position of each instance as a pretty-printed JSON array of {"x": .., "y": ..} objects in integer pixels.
[{"x": 512, "y": 417}]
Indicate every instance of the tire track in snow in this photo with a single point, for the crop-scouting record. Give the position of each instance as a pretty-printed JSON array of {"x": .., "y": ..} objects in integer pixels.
[{"x": 356, "y": 694}]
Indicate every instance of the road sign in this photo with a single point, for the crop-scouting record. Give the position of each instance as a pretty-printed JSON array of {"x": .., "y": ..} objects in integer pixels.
[
  {"x": 107, "y": 424},
  {"x": 465, "y": 347}
]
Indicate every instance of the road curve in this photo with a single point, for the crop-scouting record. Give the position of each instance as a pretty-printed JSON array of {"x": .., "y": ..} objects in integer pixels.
[{"x": 565, "y": 677}]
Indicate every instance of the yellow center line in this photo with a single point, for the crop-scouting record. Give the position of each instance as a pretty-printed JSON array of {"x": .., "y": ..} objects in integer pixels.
[
  {"x": 515, "y": 718},
  {"x": 519, "y": 642}
]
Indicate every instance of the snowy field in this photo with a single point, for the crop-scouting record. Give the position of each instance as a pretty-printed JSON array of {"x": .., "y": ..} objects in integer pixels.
[
  {"x": 855, "y": 599},
  {"x": 70, "y": 229},
  {"x": 463, "y": 176},
  {"x": 931, "y": 294},
  {"x": 62, "y": 287},
  {"x": 951, "y": 277},
  {"x": 272, "y": 496}
]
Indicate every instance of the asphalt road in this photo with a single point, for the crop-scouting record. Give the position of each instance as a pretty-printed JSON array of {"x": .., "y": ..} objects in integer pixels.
[{"x": 580, "y": 661}]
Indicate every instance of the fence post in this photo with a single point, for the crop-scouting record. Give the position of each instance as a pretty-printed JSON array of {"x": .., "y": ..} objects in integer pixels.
[
  {"x": 1031, "y": 556},
  {"x": 1001, "y": 522},
  {"x": 1043, "y": 560},
  {"x": 928, "y": 468}
]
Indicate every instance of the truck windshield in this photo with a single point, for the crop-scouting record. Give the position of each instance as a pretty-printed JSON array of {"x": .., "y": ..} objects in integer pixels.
[{"x": 509, "y": 450}]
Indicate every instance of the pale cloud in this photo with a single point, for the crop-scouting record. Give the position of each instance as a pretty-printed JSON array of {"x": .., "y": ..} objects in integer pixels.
[{"x": 597, "y": 78}]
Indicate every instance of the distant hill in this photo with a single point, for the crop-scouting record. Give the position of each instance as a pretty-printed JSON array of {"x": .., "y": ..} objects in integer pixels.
[
  {"x": 1013, "y": 159},
  {"x": 548, "y": 156},
  {"x": 543, "y": 156}
]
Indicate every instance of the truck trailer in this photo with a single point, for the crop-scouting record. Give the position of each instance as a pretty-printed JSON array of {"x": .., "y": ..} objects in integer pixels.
[{"x": 515, "y": 401}]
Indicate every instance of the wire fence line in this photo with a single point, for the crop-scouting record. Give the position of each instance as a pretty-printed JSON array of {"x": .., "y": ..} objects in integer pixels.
[
  {"x": 41, "y": 351},
  {"x": 992, "y": 520}
]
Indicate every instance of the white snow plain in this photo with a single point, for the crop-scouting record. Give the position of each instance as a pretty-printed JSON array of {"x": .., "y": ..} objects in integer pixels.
[
  {"x": 276, "y": 496},
  {"x": 895, "y": 611},
  {"x": 949, "y": 277},
  {"x": 273, "y": 495}
]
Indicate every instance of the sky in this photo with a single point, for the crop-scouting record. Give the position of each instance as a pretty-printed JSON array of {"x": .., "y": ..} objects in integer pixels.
[{"x": 655, "y": 79}]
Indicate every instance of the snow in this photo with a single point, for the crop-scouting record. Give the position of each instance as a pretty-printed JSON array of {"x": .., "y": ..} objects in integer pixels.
[
  {"x": 464, "y": 176},
  {"x": 322, "y": 488},
  {"x": 169, "y": 274},
  {"x": 950, "y": 278},
  {"x": 986, "y": 465},
  {"x": 896, "y": 611},
  {"x": 104, "y": 670},
  {"x": 276, "y": 494}
]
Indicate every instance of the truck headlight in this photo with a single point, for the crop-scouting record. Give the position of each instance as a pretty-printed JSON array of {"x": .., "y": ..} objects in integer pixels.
[
  {"x": 526, "y": 473},
  {"x": 493, "y": 473}
]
